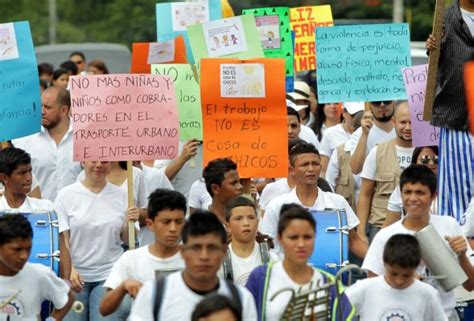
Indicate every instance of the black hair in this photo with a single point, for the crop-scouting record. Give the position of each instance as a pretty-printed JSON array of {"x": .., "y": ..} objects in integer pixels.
[
  {"x": 69, "y": 66},
  {"x": 201, "y": 223},
  {"x": 290, "y": 212},
  {"x": 418, "y": 174},
  {"x": 123, "y": 165},
  {"x": 402, "y": 250},
  {"x": 11, "y": 158},
  {"x": 215, "y": 303},
  {"x": 238, "y": 202},
  {"x": 59, "y": 72},
  {"x": 290, "y": 111},
  {"x": 319, "y": 119},
  {"x": 301, "y": 148},
  {"x": 78, "y": 53},
  {"x": 13, "y": 226},
  {"x": 45, "y": 68},
  {"x": 165, "y": 199},
  {"x": 417, "y": 152},
  {"x": 215, "y": 171},
  {"x": 43, "y": 84}
]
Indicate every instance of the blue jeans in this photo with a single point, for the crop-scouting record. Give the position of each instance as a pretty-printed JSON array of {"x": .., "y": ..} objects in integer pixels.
[
  {"x": 90, "y": 296},
  {"x": 372, "y": 230}
]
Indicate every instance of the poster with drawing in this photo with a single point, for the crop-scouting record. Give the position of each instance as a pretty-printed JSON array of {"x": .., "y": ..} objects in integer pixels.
[
  {"x": 8, "y": 45},
  {"x": 269, "y": 31},
  {"x": 160, "y": 52},
  {"x": 225, "y": 37},
  {"x": 242, "y": 80},
  {"x": 188, "y": 13}
]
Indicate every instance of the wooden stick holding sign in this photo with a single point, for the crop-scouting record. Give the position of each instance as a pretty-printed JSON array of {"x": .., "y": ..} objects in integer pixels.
[
  {"x": 131, "y": 224},
  {"x": 5, "y": 145},
  {"x": 433, "y": 60}
]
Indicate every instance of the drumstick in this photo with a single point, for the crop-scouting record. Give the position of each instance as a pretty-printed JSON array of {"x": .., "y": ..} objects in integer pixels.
[{"x": 10, "y": 299}]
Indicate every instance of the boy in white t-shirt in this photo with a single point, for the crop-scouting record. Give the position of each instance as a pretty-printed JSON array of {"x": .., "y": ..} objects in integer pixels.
[
  {"x": 397, "y": 294},
  {"x": 166, "y": 217},
  {"x": 418, "y": 189},
  {"x": 24, "y": 286},
  {"x": 244, "y": 253}
]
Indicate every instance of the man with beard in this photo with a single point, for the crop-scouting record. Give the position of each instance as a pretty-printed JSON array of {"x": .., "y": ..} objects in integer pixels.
[
  {"x": 371, "y": 133},
  {"x": 51, "y": 148},
  {"x": 381, "y": 173}
]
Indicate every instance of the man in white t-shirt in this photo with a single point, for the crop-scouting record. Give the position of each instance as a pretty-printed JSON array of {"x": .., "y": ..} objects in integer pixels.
[
  {"x": 296, "y": 129},
  {"x": 16, "y": 176},
  {"x": 418, "y": 187},
  {"x": 244, "y": 252},
  {"x": 24, "y": 286},
  {"x": 166, "y": 216},
  {"x": 204, "y": 248},
  {"x": 51, "y": 148},
  {"x": 381, "y": 172},
  {"x": 199, "y": 198},
  {"x": 305, "y": 166},
  {"x": 371, "y": 133},
  {"x": 336, "y": 135}
]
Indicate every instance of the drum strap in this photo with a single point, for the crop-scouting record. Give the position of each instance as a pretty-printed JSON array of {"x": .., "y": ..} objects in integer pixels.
[{"x": 227, "y": 263}]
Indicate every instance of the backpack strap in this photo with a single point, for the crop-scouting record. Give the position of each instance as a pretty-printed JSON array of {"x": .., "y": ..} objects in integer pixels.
[
  {"x": 264, "y": 252},
  {"x": 227, "y": 267},
  {"x": 234, "y": 291},
  {"x": 159, "y": 291},
  {"x": 268, "y": 271}
]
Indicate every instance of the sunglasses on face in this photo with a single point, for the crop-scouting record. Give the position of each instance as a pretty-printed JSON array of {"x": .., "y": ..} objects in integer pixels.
[
  {"x": 379, "y": 103},
  {"x": 426, "y": 159},
  {"x": 78, "y": 62}
]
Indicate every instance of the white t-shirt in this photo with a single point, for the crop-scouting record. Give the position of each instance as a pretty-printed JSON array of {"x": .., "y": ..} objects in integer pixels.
[
  {"x": 376, "y": 136},
  {"x": 155, "y": 178},
  {"x": 269, "y": 223},
  {"x": 333, "y": 137},
  {"x": 242, "y": 267},
  {"x": 273, "y": 190},
  {"x": 30, "y": 204},
  {"x": 199, "y": 197},
  {"x": 279, "y": 279},
  {"x": 444, "y": 225},
  {"x": 36, "y": 283},
  {"x": 375, "y": 300},
  {"x": 369, "y": 170},
  {"x": 178, "y": 301},
  {"x": 52, "y": 164},
  {"x": 469, "y": 19},
  {"x": 467, "y": 220},
  {"x": 140, "y": 265},
  {"x": 309, "y": 136},
  {"x": 395, "y": 203},
  {"x": 94, "y": 222}
]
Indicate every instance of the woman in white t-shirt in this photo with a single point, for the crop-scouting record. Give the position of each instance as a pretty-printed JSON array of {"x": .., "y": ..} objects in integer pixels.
[
  {"x": 296, "y": 235},
  {"x": 427, "y": 156},
  {"x": 93, "y": 219}
]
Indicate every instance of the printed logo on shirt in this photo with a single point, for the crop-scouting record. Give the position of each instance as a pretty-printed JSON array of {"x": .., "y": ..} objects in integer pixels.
[
  {"x": 395, "y": 314},
  {"x": 404, "y": 161},
  {"x": 13, "y": 311}
]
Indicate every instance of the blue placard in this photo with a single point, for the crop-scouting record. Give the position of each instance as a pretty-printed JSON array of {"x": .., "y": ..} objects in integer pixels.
[
  {"x": 362, "y": 62},
  {"x": 20, "y": 101},
  {"x": 166, "y": 29}
]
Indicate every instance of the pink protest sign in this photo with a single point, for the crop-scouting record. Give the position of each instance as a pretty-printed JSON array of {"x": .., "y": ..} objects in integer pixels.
[
  {"x": 414, "y": 79},
  {"x": 124, "y": 117}
]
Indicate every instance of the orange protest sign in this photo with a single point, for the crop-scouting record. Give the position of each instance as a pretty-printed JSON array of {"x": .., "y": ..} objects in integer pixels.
[
  {"x": 469, "y": 83},
  {"x": 144, "y": 54},
  {"x": 244, "y": 114}
]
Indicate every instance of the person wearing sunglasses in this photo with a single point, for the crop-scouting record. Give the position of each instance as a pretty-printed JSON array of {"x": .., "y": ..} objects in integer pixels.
[
  {"x": 79, "y": 59},
  {"x": 427, "y": 156},
  {"x": 373, "y": 131}
]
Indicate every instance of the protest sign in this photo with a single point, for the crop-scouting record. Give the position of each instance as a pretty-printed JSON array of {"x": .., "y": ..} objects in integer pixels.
[
  {"x": 244, "y": 114},
  {"x": 304, "y": 21},
  {"x": 234, "y": 37},
  {"x": 362, "y": 62},
  {"x": 273, "y": 25},
  {"x": 124, "y": 117},
  {"x": 144, "y": 54},
  {"x": 173, "y": 18},
  {"x": 188, "y": 98},
  {"x": 20, "y": 102},
  {"x": 469, "y": 83},
  {"x": 415, "y": 79}
]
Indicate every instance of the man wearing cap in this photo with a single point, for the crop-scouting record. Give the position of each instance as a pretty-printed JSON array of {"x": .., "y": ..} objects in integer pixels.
[
  {"x": 339, "y": 134},
  {"x": 301, "y": 96}
]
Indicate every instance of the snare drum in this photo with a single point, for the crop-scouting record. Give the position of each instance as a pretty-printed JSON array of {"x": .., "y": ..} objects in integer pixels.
[
  {"x": 331, "y": 248},
  {"x": 45, "y": 248}
]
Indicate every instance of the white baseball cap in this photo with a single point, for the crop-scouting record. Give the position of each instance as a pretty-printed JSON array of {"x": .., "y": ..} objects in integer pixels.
[{"x": 354, "y": 107}]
